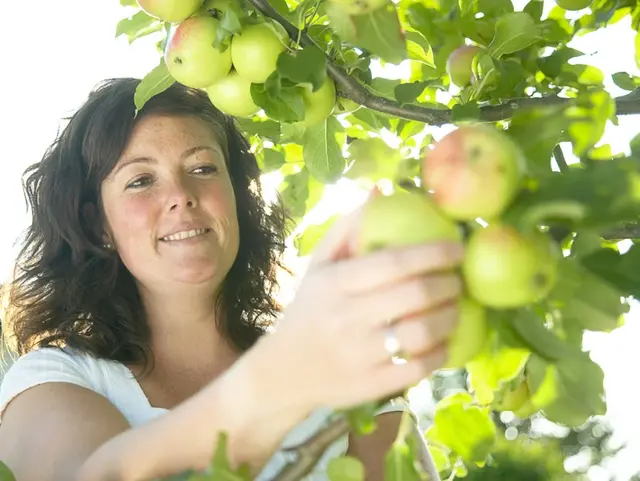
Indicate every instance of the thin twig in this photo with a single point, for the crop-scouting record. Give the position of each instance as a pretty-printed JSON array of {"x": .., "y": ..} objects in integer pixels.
[
  {"x": 311, "y": 450},
  {"x": 558, "y": 154}
]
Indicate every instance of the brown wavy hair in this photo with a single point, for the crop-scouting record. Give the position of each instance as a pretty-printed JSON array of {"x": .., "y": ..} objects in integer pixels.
[{"x": 68, "y": 289}]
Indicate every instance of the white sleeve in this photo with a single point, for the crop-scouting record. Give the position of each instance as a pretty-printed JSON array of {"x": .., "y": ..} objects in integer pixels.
[{"x": 40, "y": 366}]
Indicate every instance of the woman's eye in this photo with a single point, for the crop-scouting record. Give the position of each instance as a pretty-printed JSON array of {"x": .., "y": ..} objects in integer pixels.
[
  {"x": 140, "y": 182},
  {"x": 205, "y": 169}
]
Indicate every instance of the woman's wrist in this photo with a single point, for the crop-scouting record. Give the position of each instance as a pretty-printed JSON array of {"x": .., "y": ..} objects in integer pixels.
[{"x": 263, "y": 401}]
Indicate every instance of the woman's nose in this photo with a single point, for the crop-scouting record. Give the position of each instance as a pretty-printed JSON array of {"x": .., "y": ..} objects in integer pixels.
[{"x": 181, "y": 195}]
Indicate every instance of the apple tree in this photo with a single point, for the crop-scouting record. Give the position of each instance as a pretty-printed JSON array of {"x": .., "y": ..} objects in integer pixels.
[{"x": 306, "y": 82}]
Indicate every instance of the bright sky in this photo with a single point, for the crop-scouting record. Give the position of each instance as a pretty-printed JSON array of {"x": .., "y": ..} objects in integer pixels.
[{"x": 54, "y": 57}]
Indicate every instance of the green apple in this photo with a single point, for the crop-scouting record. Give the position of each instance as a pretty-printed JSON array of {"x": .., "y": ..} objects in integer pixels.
[
  {"x": 232, "y": 95},
  {"x": 459, "y": 65},
  {"x": 505, "y": 269},
  {"x": 474, "y": 172},
  {"x": 359, "y": 7},
  {"x": 173, "y": 11},
  {"x": 255, "y": 50},
  {"x": 470, "y": 334},
  {"x": 573, "y": 5},
  {"x": 402, "y": 218},
  {"x": 319, "y": 104},
  {"x": 190, "y": 55}
]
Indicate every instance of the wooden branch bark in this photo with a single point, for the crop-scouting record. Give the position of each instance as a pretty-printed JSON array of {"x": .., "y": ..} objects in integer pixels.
[{"x": 309, "y": 452}]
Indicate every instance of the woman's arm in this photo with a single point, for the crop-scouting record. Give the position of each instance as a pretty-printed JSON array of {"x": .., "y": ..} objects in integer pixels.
[
  {"x": 60, "y": 431},
  {"x": 238, "y": 403}
]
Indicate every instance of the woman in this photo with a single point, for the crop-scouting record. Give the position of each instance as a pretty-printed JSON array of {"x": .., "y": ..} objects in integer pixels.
[{"x": 144, "y": 293}]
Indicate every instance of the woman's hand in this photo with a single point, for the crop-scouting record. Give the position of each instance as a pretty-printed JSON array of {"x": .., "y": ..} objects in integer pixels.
[{"x": 331, "y": 342}]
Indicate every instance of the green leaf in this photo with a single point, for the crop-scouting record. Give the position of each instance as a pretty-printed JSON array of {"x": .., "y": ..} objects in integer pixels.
[
  {"x": 548, "y": 124},
  {"x": 282, "y": 8},
  {"x": 345, "y": 468},
  {"x": 552, "y": 65},
  {"x": 362, "y": 418},
  {"x": 309, "y": 238},
  {"x": 588, "y": 118},
  {"x": 5, "y": 473},
  {"x": 407, "y": 93},
  {"x": 153, "y": 83},
  {"x": 596, "y": 198},
  {"x": 322, "y": 154},
  {"x": 463, "y": 427},
  {"x": 221, "y": 469},
  {"x": 572, "y": 391},
  {"x": 495, "y": 8},
  {"x": 636, "y": 43},
  {"x": 285, "y": 105},
  {"x": 625, "y": 81},
  {"x": 294, "y": 190},
  {"x": 577, "y": 75},
  {"x": 441, "y": 458},
  {"x": 539, "y": 339},
  {"x": 585, "y": 299},
  {"x": 306, "y": 65},
  {"x": 137, "y": 25},
  {"x": 265, "y": 128},
  {"x": 400, "y": 462},
  {"x": 620, "y": 270},
  {"x": 513, "y": 32},
  {"x": 379, "y": 31},
  {"x": 466, "y": 111},
  {"x": 419, "y": 49},
  {"x": 534, "y": 8},
  {"x": 499, "y": 362},
  {"x": 229, "y": 25},
  {"x": 273, "y": 159},
  {"x": 370, "y": 119},
  {"x": 372, "y": 159},
  {"x": 129, "y": 3}
]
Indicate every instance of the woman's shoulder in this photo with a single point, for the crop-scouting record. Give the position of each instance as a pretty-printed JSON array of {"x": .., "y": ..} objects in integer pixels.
[
  {"x": 47, "y": 364},
  {"x": 66, "y": 364}
]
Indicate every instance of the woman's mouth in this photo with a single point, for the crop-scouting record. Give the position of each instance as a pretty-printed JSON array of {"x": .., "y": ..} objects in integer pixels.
[{"x": 187, "y": 234}]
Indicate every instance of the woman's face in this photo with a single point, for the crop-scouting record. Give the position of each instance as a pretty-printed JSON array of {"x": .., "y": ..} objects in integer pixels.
[{"x": 170, "y": 206}]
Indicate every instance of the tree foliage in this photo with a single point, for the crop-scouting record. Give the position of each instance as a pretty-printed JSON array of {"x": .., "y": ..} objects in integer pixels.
[{"x": 525, "y": 79}]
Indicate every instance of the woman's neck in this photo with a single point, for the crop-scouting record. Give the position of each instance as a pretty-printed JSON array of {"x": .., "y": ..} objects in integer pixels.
[{"x": 184, "y": 330}]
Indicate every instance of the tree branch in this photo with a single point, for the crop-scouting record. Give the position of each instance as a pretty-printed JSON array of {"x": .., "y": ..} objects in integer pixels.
[
  {"x": 560, "y": 159},
  {"x": 311, "y": 450},
  {"x": 622, "y": 232},
  {"x": 350, "y": 88}
]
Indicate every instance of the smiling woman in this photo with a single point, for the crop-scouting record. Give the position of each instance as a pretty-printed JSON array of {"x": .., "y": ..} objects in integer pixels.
[{"x": 143, "y": 296}]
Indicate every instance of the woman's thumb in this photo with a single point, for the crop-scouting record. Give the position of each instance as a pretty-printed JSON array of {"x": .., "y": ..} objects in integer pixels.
[{"x": 341, "y": 239}]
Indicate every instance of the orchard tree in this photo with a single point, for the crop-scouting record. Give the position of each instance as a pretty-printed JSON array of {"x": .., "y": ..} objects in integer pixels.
[{"x": 543, "y": 263}]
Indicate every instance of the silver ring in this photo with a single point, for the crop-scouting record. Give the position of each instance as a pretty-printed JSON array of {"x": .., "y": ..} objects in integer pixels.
[{"x": 391, "y": 342}]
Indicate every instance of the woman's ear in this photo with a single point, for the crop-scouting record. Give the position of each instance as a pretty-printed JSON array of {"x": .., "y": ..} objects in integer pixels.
[{"x": 92, "y": 219}]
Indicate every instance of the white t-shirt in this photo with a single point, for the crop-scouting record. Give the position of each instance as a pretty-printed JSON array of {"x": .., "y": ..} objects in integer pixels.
[{"x": 116, "y": 382}]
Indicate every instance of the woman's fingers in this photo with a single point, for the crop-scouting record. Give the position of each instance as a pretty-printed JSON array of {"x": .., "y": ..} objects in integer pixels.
[
  {"x": 397, "y": 377},
  {"x": 389, "y": 266},
  {"x": 417, "y": 335},
  {"x": 410, "y": 297},
  {"x": 338, "y": 242}
]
